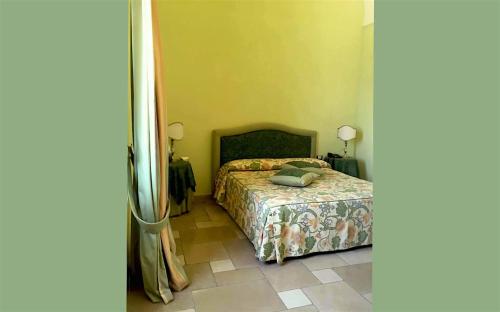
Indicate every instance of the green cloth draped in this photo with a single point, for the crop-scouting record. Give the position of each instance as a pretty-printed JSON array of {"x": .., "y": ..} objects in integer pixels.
[
  {"x": 348, "y": 166},
  {"x": 181, "y": 178}
]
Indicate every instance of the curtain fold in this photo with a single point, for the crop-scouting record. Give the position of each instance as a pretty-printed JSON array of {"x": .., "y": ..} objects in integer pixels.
[
  {"x": 178, "y": 278},
  {"x": 148, "y": 183}
]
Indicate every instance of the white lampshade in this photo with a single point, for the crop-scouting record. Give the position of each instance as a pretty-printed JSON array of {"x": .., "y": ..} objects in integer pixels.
[
  {"x": 175, "y": 131},
  {"x": 346, "y": 133}
]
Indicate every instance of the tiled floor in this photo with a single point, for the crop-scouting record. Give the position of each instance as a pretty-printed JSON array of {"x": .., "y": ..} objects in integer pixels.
[{"x": 225, "y": 276}]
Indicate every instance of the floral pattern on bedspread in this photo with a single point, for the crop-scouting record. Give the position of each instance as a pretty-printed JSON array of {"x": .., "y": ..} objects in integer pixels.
[
  {"x": 254, "y": 165},
  {"x": 332, "y": 213}
]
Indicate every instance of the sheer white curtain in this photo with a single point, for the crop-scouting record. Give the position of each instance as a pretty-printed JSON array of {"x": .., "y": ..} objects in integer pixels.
[{"x": 148, "y": 180}]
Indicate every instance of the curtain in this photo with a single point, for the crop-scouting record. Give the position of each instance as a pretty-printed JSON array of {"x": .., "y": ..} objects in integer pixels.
[{"x": 148, "y": 161}]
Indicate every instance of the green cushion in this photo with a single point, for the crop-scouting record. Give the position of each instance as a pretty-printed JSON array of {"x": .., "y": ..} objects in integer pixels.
[
  {"x": 293, "y": 177},
  {"x": 304, "y": 165}
]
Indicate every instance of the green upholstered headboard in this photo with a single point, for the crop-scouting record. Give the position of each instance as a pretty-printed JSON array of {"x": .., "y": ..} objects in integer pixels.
[{"x": 264, "y": 140}]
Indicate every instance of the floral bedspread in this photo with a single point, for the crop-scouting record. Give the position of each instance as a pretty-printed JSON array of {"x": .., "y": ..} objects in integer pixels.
[{"x": 334, "y": 212}]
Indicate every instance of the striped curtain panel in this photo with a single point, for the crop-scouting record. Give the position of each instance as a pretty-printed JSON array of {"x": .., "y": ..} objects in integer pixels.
[{"x": 148, "y": 165}]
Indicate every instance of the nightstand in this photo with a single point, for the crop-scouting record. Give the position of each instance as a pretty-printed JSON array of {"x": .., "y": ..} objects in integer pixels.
[
  {"x": 348, "y": 165},
  {"x": 181, "y": 185}
]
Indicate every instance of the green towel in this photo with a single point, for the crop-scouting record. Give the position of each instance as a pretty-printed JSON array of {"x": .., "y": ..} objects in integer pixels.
[{"x": 180, "y": 179}]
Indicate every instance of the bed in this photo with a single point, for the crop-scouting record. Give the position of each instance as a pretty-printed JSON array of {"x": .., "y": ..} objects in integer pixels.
[{"x": 332, "y": 213}]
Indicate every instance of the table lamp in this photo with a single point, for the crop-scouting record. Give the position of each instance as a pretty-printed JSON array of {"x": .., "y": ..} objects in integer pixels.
[
  {"x": 346, "y": 133},
  {"x": 175, "y": 132}
]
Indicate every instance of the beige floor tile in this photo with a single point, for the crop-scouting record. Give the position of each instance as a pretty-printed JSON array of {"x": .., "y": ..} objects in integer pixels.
[
  {"x": 212, "y": 205},
  {"x": 190, "y": 236},
  {"x": 200, "y": 199},
  {"x": 176, "y": 234},
  {"x": 178, "y": 247},
  {"x": 182, "y": 223},
  {"x": 200, "y": 275},
  {"x": 323, "y": 261},
  {"x": 204, "y": 252},
  {"x": 240, "y": 233},
  {"x": 290, "y": 275},
  {"x": 238, "y": 276},
  {"x": 222, "y": 266},
  {"x": 209, "y": 224},
  {"x": 356, "y": 256},
  {"x": 182, "y": 261},
  {"x": 337, "y": 297},
  {"x": 294, "y": 298},
  {"x": 358, "y": 276},
  {"x": 242, "y": 253},
  {"x": 199, "y": 214},
  {"x": 251, "y": 296},
  {"x": 137, "y": 301},
  {"x": 217, "y": 213},
  {"x": 327, "y": 276},
  {"x": 368, "y": 297},
  {"x": 232, "y": 224},
  {"x": 309, "y": 308},
  {"x": 208, "y": 234},
  {"x": 205, "y": 235},
  {"x": 202, "y": 218},
  {"x": 182, "y": 301}
]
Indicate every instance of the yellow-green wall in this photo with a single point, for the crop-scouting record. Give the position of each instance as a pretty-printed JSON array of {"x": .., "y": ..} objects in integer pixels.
[
  {"x": 364, "y": 116},
  {"x": 231, "y": 63}
]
